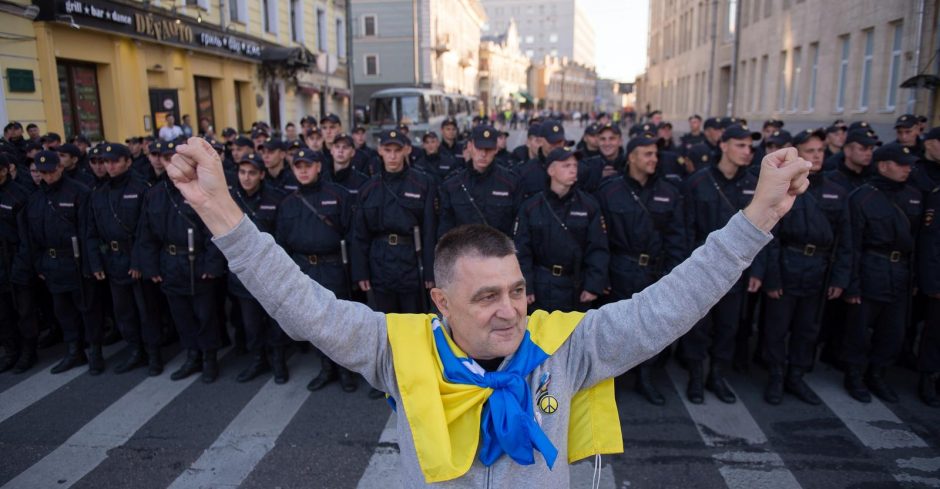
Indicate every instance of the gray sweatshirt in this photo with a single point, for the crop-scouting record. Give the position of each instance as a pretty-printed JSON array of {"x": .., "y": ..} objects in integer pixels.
[{"x": 608, "y": 342}]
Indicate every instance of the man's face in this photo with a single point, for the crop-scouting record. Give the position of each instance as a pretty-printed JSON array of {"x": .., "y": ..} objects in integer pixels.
[
  {"x": 273, "y": 158},
  {"x": 50, "y": 177},
  {"x": 342, "y": 152},
  {"x": 359, "y": 138},
  {"x": 932, "y": 149},
  {"x": 894, "y": 171},
  {"x": 314, "y": 141},
  {"x": 738, "y": 151},
  {"x": 449, "y": 133},
  {"x": 695, "y": 124},
  {"x": 643, "y": 159},
  {"x": 4, "y": 173},
  {"x": 68, "y": 161},
  {"x": 656, "y": 119},
  {"x": 117, "y": 166},
  {"x": 768, "y": 131},
  {"x": 431, "y": 145},
  {"x": 590, "y": 140},
  {"x": 609, "y": 143},
  {"x": 485, "y": 305},
  {"x": 813, "y": 151},
  {"x": 713, "y": 134},
  {"x": 836, "y": 139},
  {"x": 134, "y": 147},
  {"x": 858, "y": 154},
  {"x": 239, "y": 152},
  {"x": 33, "y": 132},
  {"x": 186, "y": 120},
  {"x": 501, "y": 141},
  {"x": 907, "y": 136},
  {"x": 482, "y": 157},
  {"x": 259, "y": 140},
  {"x": 330, "y": 130},
  {"x": 393, "y": 156},
  {"x": 250, "y": 177},
  {"x": 306, "y": 172},
  {"x": 291, "y": 133},
  {"x": 533, "y": 143},
  {"x": 564, "y": 172},
  {"x": 170, "y": 120},
  {"x": 665, "y": 132},
  {"x": 52, "y": 145},
  {"x": 34, "y": 174}
]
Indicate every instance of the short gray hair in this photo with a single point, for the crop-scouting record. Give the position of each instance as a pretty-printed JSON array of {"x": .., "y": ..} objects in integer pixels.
[{"x": 471, "y": 239}]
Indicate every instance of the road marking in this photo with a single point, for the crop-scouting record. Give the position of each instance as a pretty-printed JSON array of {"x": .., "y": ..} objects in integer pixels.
[
  {"x": 42, "y": 383},
  {"x": 721, "y": 425},
  {"x": 113, "y": 427},
  {"x": 250, "y": 435},
  {"x": 384, "y": 469}
]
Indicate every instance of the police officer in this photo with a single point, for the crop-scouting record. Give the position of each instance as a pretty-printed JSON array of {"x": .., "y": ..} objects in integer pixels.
[
  {"x": 69, "y": 156},
  {"x": 394, "y": 207},
  {"x": 694, "y": 136},
  {"x": 279, "y": 175},
  {"x": 666, "y": 142},
  {"x": 806, "y": 264},
  {"x": 55, "y": 244},
  {"x": 907, "y": 129},
  {"x": 928, "y": 272},
  {"x": 611, "y": 157},
  {"x": 435, "y": 161},
  {"x": 313, "y": 226},
  {"x": 852, "y": 171},
  {"x": 503, "y": 157},
  {"x": 175, "y": 249},
  {"x": 588, "y": 146},
  {"x": 836, "y": 134},
  {"x": 885, "y": 213},
  {"x": 264, "y": 338},
  {"x": 646, "y": 231},
  {"x": 712, "y": 195},
  {"x": 528, "y": 150},
  {"x": 450, "y": 143},
  {"x": 561, "y": 241},
  {"x": 482, "y": 192},
  {"x": 18, "y": 327},
  {"x": 708, "y": 152},
  {"x": 345, "y": 173},
  {"x": 926, "y": 173},
  {"x": 532, "y": 174}
]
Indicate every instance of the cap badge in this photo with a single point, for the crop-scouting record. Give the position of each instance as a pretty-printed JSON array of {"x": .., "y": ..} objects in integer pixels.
[
  {"x": 906, "y": 150},
  {"x": 108, "y": 148},
  {"x": 42, "y": 159},
  {"x": 704, "y": 157},
  {"x": 486, "y": 134},
  {"x": 554, "y": 128},
  {"x": 393, "y": 134}
]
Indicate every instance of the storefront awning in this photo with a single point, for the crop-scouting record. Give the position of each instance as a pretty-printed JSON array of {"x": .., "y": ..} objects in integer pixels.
[
  {"x": 930, "y": 82},
  {"x": 291, "y": 56},
  {"x": 523, "y": 97}
]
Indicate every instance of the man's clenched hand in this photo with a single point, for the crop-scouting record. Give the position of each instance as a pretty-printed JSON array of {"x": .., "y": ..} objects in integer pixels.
[
  {"x": 783, "y": 176},
  {"x": 196, "y": 170}
]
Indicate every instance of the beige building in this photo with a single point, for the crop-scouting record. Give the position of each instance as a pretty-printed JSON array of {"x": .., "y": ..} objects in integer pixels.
[
  {"x": 559, "y": 84},
  {"x": 807, "y": 62},
  {"x": 503, "y": 70}
]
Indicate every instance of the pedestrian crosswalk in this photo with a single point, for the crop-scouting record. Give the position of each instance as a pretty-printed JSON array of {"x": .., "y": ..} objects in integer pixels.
[{"x": 153, "y": 432}]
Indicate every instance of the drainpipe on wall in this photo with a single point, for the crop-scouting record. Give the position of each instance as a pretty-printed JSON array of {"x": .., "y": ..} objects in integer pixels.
[
  {"x": 414, "y": 18},
  {"x": 711, "y": 64},
  {"x": 350, "y": 64},
  {"x": 918, "y": 36},
  {"x": 735, "y": 50}
]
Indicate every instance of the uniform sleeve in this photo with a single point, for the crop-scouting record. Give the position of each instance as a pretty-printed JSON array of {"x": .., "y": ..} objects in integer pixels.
[
  {"x": 92, "y": 235},
  {"x": 596, "y": 255},
  {"x": 618, "y": 336},
  {"x": 24, "y": 263},
  {"x": 147, "y": 245},
  {"x": 675, "y": 238},
  {"x": 688, "y": 207},
  {"x": 842, "y": 258},
  {"x": 853, "y": 230},
  {"x": 429, "y": 230},
  {"x": 524, "y": 252},
  {"x": 448, "y": 219},
  {"x": 360, "y": 243},
  {"x": 766, "y": 266},
  {"x": 928, "y": 252}
]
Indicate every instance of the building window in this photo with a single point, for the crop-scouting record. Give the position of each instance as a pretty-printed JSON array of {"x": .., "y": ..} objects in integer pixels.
[
  {"x": 782, "y": 86},
  {"x": 204, "y": 108},
  {"x": 297, "y": 21},
  {"x": 753, "y": 84},
  {"x": 866, "y": 70},
  {"x": 795, "y": 79},
  {"x": 372, "y": 65},
  {"x": 732, "y": 16},
  {"x": 340, "y": 38},
  {"x": 755, "y": 13},
  {"x": 238, "y": 11},
  {"x": 768, "y": 8},
  {"x": 529, "y": 53},
  {"x": 529, "y": 39},
  {"x": 203, "y": 4},
  {"x": 269, "y": 11},
  {"x": 811, "y": 103},
  {"x": 81, "y": 105},
  {"x": 370, "y": 26},
  {"x": 241, "y": 89},
  {"x": 321, "y": 30},
  {"x": 553, "y": 37},
  {"x": 895, "y": 70},
  {"x": 843, "y": 73},
  {"x": 764, "y": 65}
]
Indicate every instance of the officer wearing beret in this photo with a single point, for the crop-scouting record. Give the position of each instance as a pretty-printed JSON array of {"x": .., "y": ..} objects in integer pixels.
[
  {"x": 482, "y": 192},
  {"x": 55, "y": 244},
  {"x": 712, "y": 195},
  {"x": 708, "y": 152},
  {"x": 928, "y": 273},
  {"x": 885, "y": 214},
  {"x": 18, "y": 326},
  {"x": 646, "y": 232},
  {"x": 907, "y": 129},
  {"x": 174, "y": 249},
  {"x": 279, "y": 175},
  {"x": 561, "y": 241}
]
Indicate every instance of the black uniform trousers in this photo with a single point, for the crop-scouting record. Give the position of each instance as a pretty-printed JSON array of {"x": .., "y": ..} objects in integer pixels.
[
  {"x": 556, "y": 292},
  {"x": 18, "y": 318},
  {"x": 795, "y": 316},
  {"x": 886, "y": 320},
  {"x": 138, "y": 321},
  {"x": 81, "y": 320},
  {"x": 197, "y": 318},
  {"x": 260, "y": 330},
  {"x": 389, "y": 301},
  {"x": 721, "y": 323},
  {"x": 928, "y": 360}
]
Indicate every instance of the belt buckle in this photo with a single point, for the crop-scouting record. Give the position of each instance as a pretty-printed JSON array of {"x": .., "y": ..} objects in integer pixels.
[
  {"x": 52, "y": 253},
  {"x": 115, "y": 246},
  {"x": 393, "y": 239},
  {"x": 312, "y": 259},
  {"x": 895, "y": 256},
  {"x": 556, "y": 270},
  {"x": 171, "y": 249},
  {"x": 809, "y": 250},
  {"x": 643, "y": 260}
]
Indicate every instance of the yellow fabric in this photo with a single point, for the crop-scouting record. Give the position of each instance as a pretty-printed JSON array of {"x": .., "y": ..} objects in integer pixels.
[{"x": 445, "y": 418}]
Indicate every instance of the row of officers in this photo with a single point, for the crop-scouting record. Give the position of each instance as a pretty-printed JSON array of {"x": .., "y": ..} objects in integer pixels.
[{"x": 854, "y": 266}]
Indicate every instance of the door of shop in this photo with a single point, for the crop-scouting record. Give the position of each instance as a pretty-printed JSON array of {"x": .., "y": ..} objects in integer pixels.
[{"x": 163, "y": 102}]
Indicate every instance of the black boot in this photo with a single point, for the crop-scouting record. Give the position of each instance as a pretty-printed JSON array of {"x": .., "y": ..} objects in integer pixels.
[
  {"x": 695, "y": 391},
  {"x": 10, "y": 356},
  {"x": 210, "y": 367},
  {"x": 797, "y": 386},
  {"x": 27, "y": 357},
  {"x": 74, "y": 357},
  {"x": 192, "y": 365},
  {"x": 717, "y": 385},
  {"x": 279, "y": 364},
  {"x": 154, "y": 361},
  {"x": 928, "y": 389},
  {"x": 327, "y": 374},
  {"x": 52, "y": 337},
  {"x": 854, "y": 384},
  {"x": 878, "y": 386},
  {"x": 95, "y": 360},
  {"x": 137, "y": 358},
  {"x": 259, "y": 365},
  {"x": 645, "y": 387},
  {"x": 773, "y": 393},
  {"x": 348, "y": 380}
]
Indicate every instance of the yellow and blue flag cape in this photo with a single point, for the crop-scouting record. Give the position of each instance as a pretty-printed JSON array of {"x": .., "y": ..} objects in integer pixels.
[{"x": 451, "y": 402}]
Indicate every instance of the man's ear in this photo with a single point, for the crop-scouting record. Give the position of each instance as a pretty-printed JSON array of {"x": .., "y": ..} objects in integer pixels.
[{"x": 440, "y": 300}]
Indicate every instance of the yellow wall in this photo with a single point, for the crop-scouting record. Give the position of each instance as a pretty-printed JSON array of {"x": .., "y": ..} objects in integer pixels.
[{"x": 18, "y": 50}]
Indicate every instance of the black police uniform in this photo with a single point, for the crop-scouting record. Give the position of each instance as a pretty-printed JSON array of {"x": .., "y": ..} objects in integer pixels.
[
  {"x": 115, "y": 212},
  {"x": 928, "y": 274},
  {"x": 350, "y": 179},
  {"x": 390, "y": 205},
  {"x": 925, "y": 175},
  {"x": 285, "y": 181},
  {"x": 439, "y": 165},
  {"x": 687, "y": 140},
  {"x": 18, "y": 326}
]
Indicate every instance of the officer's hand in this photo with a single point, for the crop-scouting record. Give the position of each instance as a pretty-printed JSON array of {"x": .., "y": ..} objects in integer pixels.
[
  {"x": 587, "y": 296},
  {"x": 196, "y": 170},
  {"x": 783, "y": 176},
  {"x": 775, "y": 294},
  {"x": 753, "y": 284},
  {"x": 134, "y": 274},
  {"x": 529, "y": 299},
  {"x": 365, "y": 285},
  {"x": 853, "y": 300},
  {"x": 157, "y": 279},
  {"x": 834, "y": 293},
  {"x": 99, "y": 275}
]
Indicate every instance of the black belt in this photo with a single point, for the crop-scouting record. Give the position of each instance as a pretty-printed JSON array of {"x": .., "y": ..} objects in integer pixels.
[
  {"x": 557, "y": 270},
  {"x": 397, "y": 239},
  {"x": 175, "y": 249},
  {"x": 121, "y": 245},
  {"x": 892, "y": 256},
  {"x": 320, "y": 259},
  {"x": 809, "y": 249},
  {"x": 641, "y": 259},
  {"x": 64, "y": 252}
]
